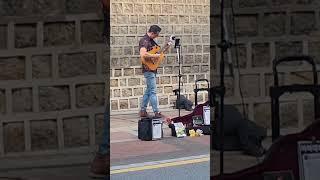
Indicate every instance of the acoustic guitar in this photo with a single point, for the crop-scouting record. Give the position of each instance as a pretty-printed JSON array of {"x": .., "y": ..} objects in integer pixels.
[{"x": 153, "y": 63}]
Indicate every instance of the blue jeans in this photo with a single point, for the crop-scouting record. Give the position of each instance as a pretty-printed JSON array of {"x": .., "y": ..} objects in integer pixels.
[
  {"x": 150, "y": 93},
  {"x": 105, "y": 145}
]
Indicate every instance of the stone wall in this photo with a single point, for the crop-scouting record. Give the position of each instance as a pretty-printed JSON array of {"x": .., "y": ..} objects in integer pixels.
[
  {"x": 269, "y": 29},
  {"x": 186, "y": 19},
  {"x": 53, "y": 65}
]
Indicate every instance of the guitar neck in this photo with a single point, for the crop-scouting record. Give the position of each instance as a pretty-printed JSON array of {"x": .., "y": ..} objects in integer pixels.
[{"x": 164, "y": 48}]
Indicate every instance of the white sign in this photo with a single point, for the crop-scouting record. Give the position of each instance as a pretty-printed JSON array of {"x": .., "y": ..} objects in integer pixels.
[
  {"x": 309, "y": 160},
  {"x": 206, "y": 115}
]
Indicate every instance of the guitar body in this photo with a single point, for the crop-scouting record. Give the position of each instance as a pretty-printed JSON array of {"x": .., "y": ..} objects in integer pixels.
[{"x": 153, "y": 65}]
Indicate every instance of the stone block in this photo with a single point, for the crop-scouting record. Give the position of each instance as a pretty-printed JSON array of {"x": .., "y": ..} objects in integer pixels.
[
  {"x": 13, "y": 136},
  {"x": 54, "y": 98},
  {"x": 308, "y": 2},
  {"x": 14, "y": 8},
  {"x": 137, "y": 91},
  {"x": 274, "y": 24},
  {"x": 188, "y": 29},
  {"x": 198, "y": 49},
  {"x": 126, "y": 92},
  {"x": 198, "y": 9},
  {"x": 205, "y": 69},
  {"x": 142, "y": 19},
  {"x": 31, "y": 7},
  {"x": 300, "y": 26},
  {"x": 123, "y": 104},
  {"x": 114, "y": 105},
  {"x": 250, "y": 85},
  {"x": 76, "y": 131},
  {"x": 128, "y": 72},
  {"x": 106, "y": 63},
  {"x": 188, "y": 59},
  {"x": 178, "y": 29},
  {"x": 124, "y": 62},
  {"x": 262, "y": 115},
  {"x": 314, "y": 51},
  {"x": 134, "y": 103},
  {"x": 128, "y": 8},
  {"x": 159, "y": 90},
  {"x": 152, "y": 19},
  {"x": 282, "y": 2},
  {"x": 183, "y": 19},
  {"x": 12, "y": 68},
  {"x": 261, "y": 55},
  {"x": 166, "y": 9},
  {"x": 186, "y": 69},
  {"x": 288, "y": 115},
  {"x": 242, "y": 55},
  {"x": 44, "y": 135},
  {"x": 22, "y": 100},
  {"x": 25, "y": 35},
  {"x": 206, "y": 49},
  {"x": 90, "y": 95},
  {"x": 138, "y": 9},
  {"x": 45, "y": 7},
  {"x": 288, "y": 49},
  {"x": 91, "y": 32},
  {"x": 3, "y": 36},
  {"x": 77, "y": 64},
  {"x": 246, "y": 25},
  {"x": 165, "y": 80},
  {"x": 99, "y": 128},
  {"x": 300, "y": 78},
  {"x": 2, "y": 101},
  {"x": 59, "y": 33},
  {"x": 163, "y": 19},
  {"x": 116, "y": 93},
  {"x": 308, "y": 112},
  {"x": 114, "y": 82},
  {"x": 252, "y": 3},
  {"x": 131, "y": 40},
  {"x": 117, "y": 72},
  {"x": 84, "y": 6},
  {"x": 156, "y": 8},
  {"x": 134, "y": 81},
  {"x": 269, "y": 81},
  {"x": 41, "y": 66},
  {"x": 132, "y": 30},
  {"x": 205, "y": 39},
  {"x": 206, "y": 58},
  {"x": 128, "y": 50},
  {"x": 133, "y": 19},
  {"x": 191, "y": 79},
  {"x": 163, "y": 100},
  {"x": 135, "y": 61},
  {"x": 168, "y": 89}
]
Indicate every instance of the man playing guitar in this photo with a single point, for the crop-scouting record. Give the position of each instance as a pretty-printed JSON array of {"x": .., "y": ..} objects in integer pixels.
[{"x": 150, "y": 57}]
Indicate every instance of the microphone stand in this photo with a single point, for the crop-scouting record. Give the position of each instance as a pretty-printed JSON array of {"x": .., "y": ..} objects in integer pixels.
[
  {"x": 178, "y": 46},
  {"x": 224, "y": 45}
]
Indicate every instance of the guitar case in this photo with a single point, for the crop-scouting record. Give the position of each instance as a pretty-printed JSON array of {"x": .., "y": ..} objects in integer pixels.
[{"x": 283, "y": 153}]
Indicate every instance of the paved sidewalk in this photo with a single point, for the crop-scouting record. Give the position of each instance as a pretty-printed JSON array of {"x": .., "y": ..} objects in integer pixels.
[{"x": 126, "y": 148}]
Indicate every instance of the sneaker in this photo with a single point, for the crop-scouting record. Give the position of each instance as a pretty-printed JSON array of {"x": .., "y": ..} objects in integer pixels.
[
  {"x": 158, "y": 115},
  {"x": 143, "y": 114},
  {"x": 100, "y": 166}
]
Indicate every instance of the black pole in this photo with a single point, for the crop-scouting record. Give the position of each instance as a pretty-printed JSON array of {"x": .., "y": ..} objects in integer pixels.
[
  {"x": 178, "y": 46},
  {"x": 224, "y": 45},
  {"x": 179, "y": 87}
]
